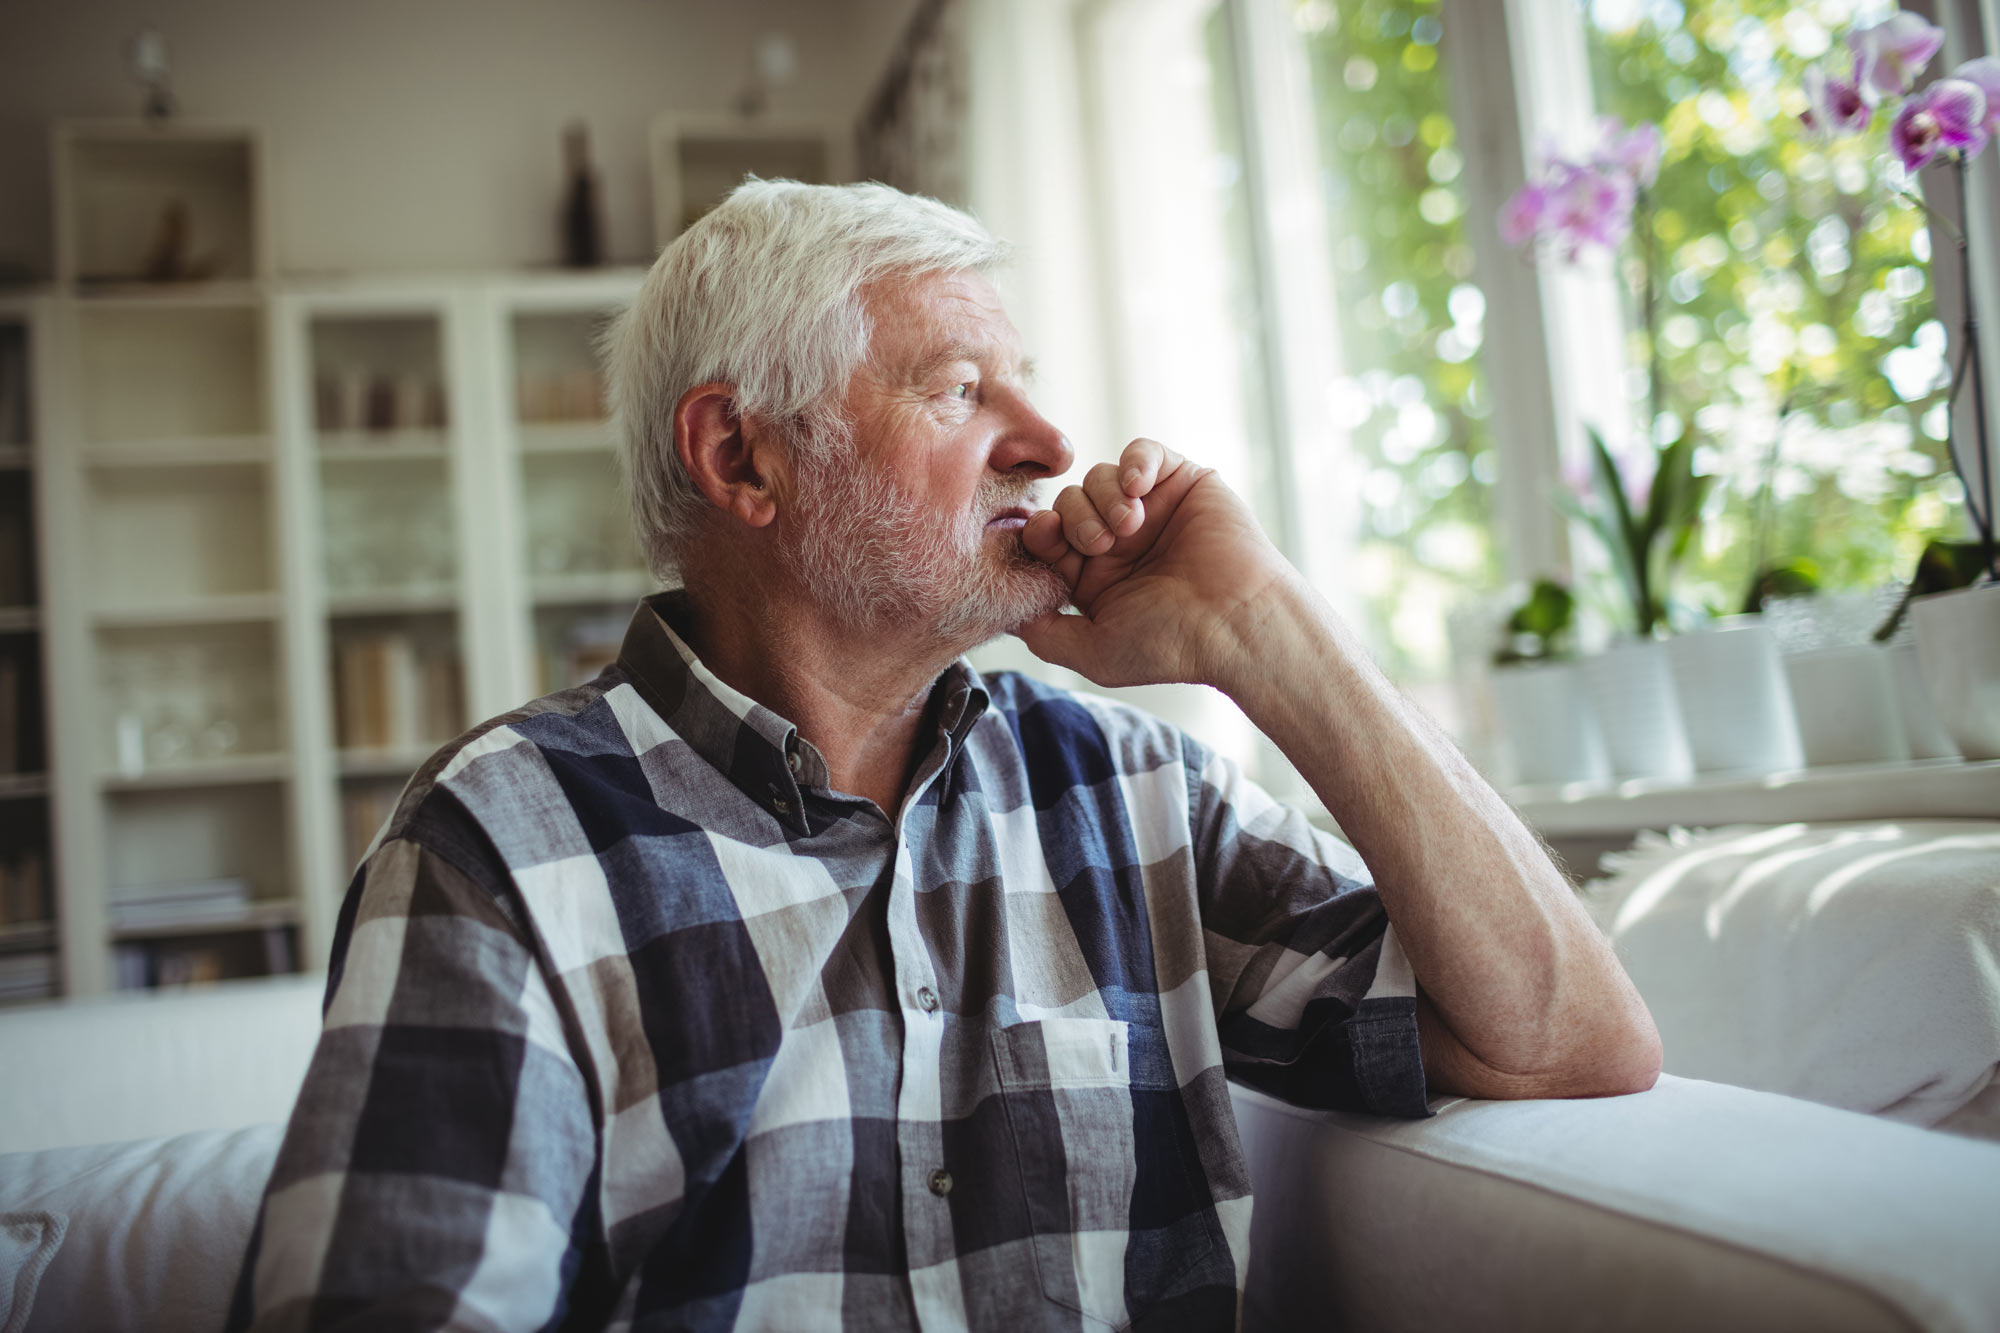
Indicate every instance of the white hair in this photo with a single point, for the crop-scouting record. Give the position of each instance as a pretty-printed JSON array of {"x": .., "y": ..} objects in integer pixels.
[{"x": 764, "y": 293}]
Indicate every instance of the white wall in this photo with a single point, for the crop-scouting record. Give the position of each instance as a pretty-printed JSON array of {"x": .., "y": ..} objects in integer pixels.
[{"x": 421, "y": 134}]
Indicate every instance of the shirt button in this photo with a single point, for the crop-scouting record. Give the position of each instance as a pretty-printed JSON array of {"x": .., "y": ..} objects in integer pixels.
[
  {"x": 940, "y": 1182},
  {"x": 778, "y": 802},
  {"x": 793, "y": 762},
  {"x": 927, "y": 998}
]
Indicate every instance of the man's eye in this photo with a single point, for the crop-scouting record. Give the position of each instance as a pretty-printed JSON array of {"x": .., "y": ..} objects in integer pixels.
[{"x": 960, "y": 390}]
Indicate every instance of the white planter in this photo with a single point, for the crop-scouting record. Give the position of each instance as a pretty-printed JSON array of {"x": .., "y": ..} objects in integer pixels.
[
  {"x": 1958, "y": 639},
  {"x": 1733, "y": 698},
  {"x": 1547, "y": 726},
  {"x": 1845, "y": 701},
  {"x": 1631, "y": 689},
  {"x": 1928, "y": 738}
]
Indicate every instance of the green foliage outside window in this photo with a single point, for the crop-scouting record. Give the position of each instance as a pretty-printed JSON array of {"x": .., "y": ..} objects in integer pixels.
[
  {"x": 1410, "y": 393},
  {"x": 1795, "y": 286}
]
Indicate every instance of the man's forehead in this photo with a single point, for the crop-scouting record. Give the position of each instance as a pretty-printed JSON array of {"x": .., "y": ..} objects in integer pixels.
[{"x": 925, "y": 323}]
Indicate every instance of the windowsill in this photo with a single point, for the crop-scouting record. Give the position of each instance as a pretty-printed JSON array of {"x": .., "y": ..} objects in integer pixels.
[{"x": 1922, "y": 789}]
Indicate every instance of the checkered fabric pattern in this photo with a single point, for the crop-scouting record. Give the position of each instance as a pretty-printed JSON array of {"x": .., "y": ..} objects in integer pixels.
[{"x": 633, "y": 1022}]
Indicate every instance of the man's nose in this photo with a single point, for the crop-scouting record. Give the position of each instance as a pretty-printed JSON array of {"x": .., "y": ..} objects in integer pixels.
[{"x": 1032, "y": 445}]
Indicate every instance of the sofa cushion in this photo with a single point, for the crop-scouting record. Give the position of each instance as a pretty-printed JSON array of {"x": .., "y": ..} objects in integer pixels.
[
  {"x": 27, "y": 1242},
  {"x": 1692, "y": 1206},
  {"x": 1850, "y": 964},
  {"x": 155, "y": 1229}
]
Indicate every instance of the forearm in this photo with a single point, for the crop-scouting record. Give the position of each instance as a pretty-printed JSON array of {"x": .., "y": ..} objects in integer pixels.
[{"x": 1505, "y": 958}]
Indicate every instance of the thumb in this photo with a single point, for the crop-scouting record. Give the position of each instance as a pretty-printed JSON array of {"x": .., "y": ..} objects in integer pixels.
[{"x": 1064, "y": 640}]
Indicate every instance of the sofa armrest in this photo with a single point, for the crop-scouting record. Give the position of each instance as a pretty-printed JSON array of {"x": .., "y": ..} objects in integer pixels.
[{"x": 1694, "y": 1205}]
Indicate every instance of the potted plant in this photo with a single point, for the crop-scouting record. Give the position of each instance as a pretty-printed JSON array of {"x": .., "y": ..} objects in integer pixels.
[
  {"x": 1548, "y": 730},
  {"x": 1954, "y": 598},
  {"x": 1646, "y": 521}
]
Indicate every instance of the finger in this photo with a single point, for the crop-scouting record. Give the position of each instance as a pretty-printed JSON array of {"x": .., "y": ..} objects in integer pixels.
[
  {"x": 1058, "y": 638},
  {"x": 1083, "y": 527},
  {"x": 1042, "y": 538},
  {"x": 1142, "y": 464},
  {"x": 1122, "y": 513}
]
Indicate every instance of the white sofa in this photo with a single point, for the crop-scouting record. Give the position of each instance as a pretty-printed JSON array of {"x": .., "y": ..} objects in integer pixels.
[{"x": 1693, "y": 1206}]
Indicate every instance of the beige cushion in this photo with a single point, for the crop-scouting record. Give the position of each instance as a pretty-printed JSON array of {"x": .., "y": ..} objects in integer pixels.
[
  {"x": 1693, "y": 1206},
  {"x": 155, "y": 1230}
]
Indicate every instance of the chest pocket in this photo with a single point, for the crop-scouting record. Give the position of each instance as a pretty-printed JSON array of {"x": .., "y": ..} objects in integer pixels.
[{"x": 1104, "y": 1149}]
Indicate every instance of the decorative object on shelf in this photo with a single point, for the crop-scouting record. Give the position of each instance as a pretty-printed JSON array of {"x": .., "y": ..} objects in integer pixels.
[
  {"x": 1550, "y": 731},
  {"x": 24, "y": 890},
  {"x": 1949, "y": 122},
  {"x": 150, "y": 66},
  {"x": 1958, "y": 642},
  {"x": 582, "y": 218},
  {"x": 1631, "y": 688},
  {"x": 774, "y": 63},
  {"x": 1734, "y": 699},
  {"x": 1843, "y": 685}
]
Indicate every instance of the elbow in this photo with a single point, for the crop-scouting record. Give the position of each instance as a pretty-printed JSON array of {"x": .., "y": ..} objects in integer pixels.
[{"x": 1622, "y": 1056}]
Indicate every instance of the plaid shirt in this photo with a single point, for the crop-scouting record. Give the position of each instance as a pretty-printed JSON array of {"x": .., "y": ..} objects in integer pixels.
[{"x": 633, "y": 1021}]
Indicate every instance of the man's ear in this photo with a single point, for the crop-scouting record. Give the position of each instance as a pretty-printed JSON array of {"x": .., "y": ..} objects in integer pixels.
[{"x": 730, "y": 459}]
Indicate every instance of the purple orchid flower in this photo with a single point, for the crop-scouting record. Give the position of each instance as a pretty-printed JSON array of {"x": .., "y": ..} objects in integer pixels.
[
  {"x": 1984, "y": 73},
  {"x": 1945, "y": 117},
  {"x": 1581, "y": 204},
  {"x": 1889, "y": 56},
  {"x": 1635, "y": 152},
  {"x": 1521, "y": 217},
  {"x": 1589, "y": 207},
  {"x": 1835, "y": 105}
]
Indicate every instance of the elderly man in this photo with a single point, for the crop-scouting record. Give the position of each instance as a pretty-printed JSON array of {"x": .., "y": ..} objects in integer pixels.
[{"x": 792, "y": 975}]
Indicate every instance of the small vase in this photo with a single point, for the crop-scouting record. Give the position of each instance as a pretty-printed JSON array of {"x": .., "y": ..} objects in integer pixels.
[
  {"x": 1734, "y": 699},
  {"x": 1958, "y": 640},
  {"x": 1547, "y": 727},
  {"x": 1845, "y": 699},
  {"x": 1632, "y": 692},
  {"x": 1928, "y": 738}
]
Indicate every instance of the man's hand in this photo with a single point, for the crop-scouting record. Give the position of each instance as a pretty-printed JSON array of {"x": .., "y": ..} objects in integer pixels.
[{"x": 1167, "y": 565}]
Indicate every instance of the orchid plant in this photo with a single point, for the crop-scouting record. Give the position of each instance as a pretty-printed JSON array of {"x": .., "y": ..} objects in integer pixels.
[
  {"x": 1949, "y": 121},
  {"x": 1644, "y": 512}
]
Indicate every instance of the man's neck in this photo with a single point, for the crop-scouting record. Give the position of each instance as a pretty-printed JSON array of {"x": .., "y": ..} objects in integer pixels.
[{"x": 861, "y": 695}]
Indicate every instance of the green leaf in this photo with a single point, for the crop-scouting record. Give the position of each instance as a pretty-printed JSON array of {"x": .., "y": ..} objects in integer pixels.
[{"x": 1621, "y": 534}]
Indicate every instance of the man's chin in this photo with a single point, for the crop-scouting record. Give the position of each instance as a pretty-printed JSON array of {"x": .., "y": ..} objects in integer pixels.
[{"x": 1028, "y": 592}]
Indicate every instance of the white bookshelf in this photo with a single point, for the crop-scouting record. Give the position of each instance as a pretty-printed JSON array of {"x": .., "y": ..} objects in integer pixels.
[{"x": 246, "y": 480}]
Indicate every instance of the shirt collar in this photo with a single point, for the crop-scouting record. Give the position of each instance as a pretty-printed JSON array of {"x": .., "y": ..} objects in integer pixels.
[{"x": 756, "y": 749}]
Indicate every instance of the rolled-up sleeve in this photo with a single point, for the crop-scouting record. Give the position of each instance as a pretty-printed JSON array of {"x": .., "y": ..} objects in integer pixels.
[
  {"x": 437, "y": 1167},
  {"x": 1315, "y": 1002}
]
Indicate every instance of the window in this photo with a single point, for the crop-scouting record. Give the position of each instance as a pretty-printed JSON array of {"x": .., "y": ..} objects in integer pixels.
[{"x": 1409, "y": 391}]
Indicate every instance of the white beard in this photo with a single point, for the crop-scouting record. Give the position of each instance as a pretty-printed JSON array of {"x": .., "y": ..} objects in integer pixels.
[{"x": 868, "y": 555}]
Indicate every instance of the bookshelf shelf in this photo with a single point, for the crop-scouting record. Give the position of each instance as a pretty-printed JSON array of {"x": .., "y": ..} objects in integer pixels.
[
  {"x": 256, "y": 916},
  {"x": 230, "y": 294},
  {"x": 566, "y": 437},
  {"x": 220, "y": 609},
  {"x": 23, "y": 786},
  {"x": 232, "y": 771},
  {"x": 579, "y": 589},
  {"x": 412, "y": 600},
  {"x": 28, "y": 937},
  {"x": 16, "y": 457},
  {"x": 383, "y": 446},
  {"x": 184, "y": 451},
  {"x": 392, "y": 762},
  {"x": 20, "y": 619}
]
